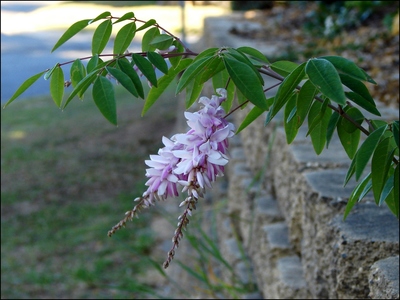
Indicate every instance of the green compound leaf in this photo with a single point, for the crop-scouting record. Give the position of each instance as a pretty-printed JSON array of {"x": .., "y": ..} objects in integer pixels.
[
  {"x": 236, "y": 55},
  {"x": 193, "y": 91},
  {"x": 77, "y": 73},
  {"x": 179, "y": 49},
  {"x": 103, "y": 15},
  {"x": 348, "y": 140},
  {"x": 126, "y": 67},
  {"x": 193, "y": 70},
  {"x": 396, "y": 197},
  {"x": 395, "y": 126},
  {"x": 82, "y": 86},
  {"x": 23, "y": 87},
  {"x": 325, "y": 77},
  {"x": 162, "y": 41},
  {"x": 290, "y": 123},
  {"x": 358, "y": 194},
  {"x": 247, "y": 82},
  {"x": 57, "y": 86},
  {"x": 163, "y": 83},
  {"x": 124, "y": 38},
  {"x": 331, "y": 127},
  {"x": 148, "y": 37},
  {"x": 127, "y": 16},
  {"x": 348, "y": 67},
  {"x": 103, "y": 96},
  {"x": 387, "y": 191},
  {"x": 215, "y": 65},
  {"x": 146, "y": 68},
  {"x": 92, "y": 63},
  {"x": 101, "y": 36},
  {"x": 304, "y": 100},
  {"x": 285, "y": 90},
  {"x": 158, "y": 61},
  {"x": 149, "y": 23},
  {"x": 48, "y": 74},
  {"x": 254, "y": 113},
  {"x": 71, "y": 31},
  {"x": 254, "y": 53},
  {"x": 380, "y": 165},
  {"x": 124, "y": 80},
  {"x": 284, "y": 67},
  {"x": 356, "y": 98},
  {"x": 319, "y": 124}
]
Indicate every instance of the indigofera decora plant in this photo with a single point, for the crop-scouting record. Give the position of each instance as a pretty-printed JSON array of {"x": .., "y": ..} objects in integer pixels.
[{"x": 190, "y": 162}]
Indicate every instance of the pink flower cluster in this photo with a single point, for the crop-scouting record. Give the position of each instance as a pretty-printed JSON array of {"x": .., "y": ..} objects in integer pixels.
[{"x": 193, "y": 159}]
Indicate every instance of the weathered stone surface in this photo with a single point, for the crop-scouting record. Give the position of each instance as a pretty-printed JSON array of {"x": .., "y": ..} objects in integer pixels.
[
  {"x": 291, "y": 283},
  {"x": 384, "y": 279}
]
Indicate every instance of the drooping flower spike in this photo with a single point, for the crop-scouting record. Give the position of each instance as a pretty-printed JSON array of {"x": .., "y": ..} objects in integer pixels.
[{"x": 192, "y": 160}]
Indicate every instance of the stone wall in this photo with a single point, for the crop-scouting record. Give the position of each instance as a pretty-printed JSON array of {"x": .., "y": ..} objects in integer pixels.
[{"x": 286, "y": 204}]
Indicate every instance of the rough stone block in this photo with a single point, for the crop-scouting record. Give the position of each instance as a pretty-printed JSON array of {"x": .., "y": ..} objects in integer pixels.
[
  {"x": 291, "y": 283},
  {"x": 384, "y": 279}
]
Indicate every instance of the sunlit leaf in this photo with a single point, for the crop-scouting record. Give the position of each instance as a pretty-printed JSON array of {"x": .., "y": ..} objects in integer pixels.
[
  {"x": 285, "y": 91},
  {"x": 149, "y": 23},
  {"x": 158, "y": 61},
  {"x": 325, "y": 77},
  {"x": 57, "y": 86},
  {"x": 77, "y": 73},
  {"x": 194, "y": 69},
  {"x": 127, "y": 16},
  {"x": 23, "y": 87},
  {"x": 124, "y": 38},
  {"x": 163, "y": 83},
  {"x": 71, "y": 31},
  {"x": 48, "y": 74},
  {"x": 92, "y": 63},
  {"x": 82, "y": 86},
  {"x": 103, "y": 15},
  {"x": 103, "y": 96},
  {"x": 162, "y": 41},
  {"x": 148, "y": 37},
  {"x": 146, "y": 68},
  {"x": 247, "y": 82},
  {"x": 101, "y": 36}
]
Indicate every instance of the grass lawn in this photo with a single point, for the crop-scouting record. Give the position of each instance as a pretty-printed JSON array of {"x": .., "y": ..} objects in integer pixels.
[{"x": 66, "y": 178}]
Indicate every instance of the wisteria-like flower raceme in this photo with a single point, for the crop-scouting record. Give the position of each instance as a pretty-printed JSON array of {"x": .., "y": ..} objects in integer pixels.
[{"x": 193, "y": 160}]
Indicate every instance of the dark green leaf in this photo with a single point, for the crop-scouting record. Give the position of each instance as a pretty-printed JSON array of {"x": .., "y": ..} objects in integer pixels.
[
  {"x": 221, "y": 80},
  {"x": 304, "y": 100},
  {"x": 348, "y": 140},
  {"x": 253, "y": 53},
  {"x": 193, "y": 70},
  {"x": 124, "y": 38},
  {"x": 214, "y": 66},
  {"x": 77, "y": 73},
  {"x": 254, "y": 113},
  {"x": 387, "y": 190},
  {"x": 158, "y": 61},
  {"x": 48, "y": 74},
  {"x": 325, "y": 77},
  {"x": 103, "y": 15},
  {"x": 71, "y": 31},
  {"x": 149, "y": 23},
  {"x": 57, "y": 86},
  {"x": 126, "y": 67},
  {"x": 101, "y": 36},
  {"x": 179, "y": 49},
  {"x": 291, "y": 128},
  {"x": 348, "y": 67},
  {"x": 356, "y": 98},
  {"x": 103, "y": 96},
  {"x": 393, "y": 203},
  {"x": 356, "y": 116},
  {"x": 356, "y": 195},
  {"x": 236, "y": 55},
  {"x": 148, "y": 37},
  {"x": 331, "y": 127},
  {"x": 380, "y": 165},
  {"x": 227, "y": 104},
  {"x": 127, "y": 16},
  {"x": 317, "y": 112},
  {"x": 24, "y": 86},
  {"x": 284, "y": 67},
  {"x": 146, "y": 68},
  {"x": 193, "y": 91},
  {"x": 92, "y": 64},
  {"x": 285, "y": 91},
  {"x": 395, "y": 129},
  {"x": 396, "y": 197},
  {"x": 366, "y": 150},
  {"x": 162, "y": 41},
  {"x": 318, "y": 134},
  {"x": 247, "y": 82},
  {"x": 82, "y": 86},
  {"x": 350, "y": 171},
  {"x": 163, "y": 83},
  {"x": 357, "y": 86},
  {"x": 124, "y": 80}
]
